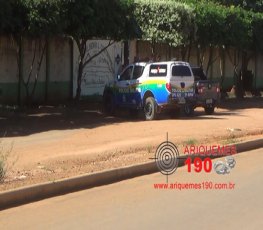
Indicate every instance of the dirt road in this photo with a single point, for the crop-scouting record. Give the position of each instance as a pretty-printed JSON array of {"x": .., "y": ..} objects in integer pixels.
[{"x": 47, "y": 145}]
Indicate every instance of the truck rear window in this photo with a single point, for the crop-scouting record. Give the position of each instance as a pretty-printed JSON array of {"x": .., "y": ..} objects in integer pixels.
[
  {"x": 158, "y": 71},
  {"x": 181, "y": 71}
]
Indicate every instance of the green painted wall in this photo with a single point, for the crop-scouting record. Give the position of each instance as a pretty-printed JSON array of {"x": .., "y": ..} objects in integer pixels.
[
  {"x": 54, "y": 78},
  {"x": 57, "y": 92},
  {"x": 8, "y": 93}
]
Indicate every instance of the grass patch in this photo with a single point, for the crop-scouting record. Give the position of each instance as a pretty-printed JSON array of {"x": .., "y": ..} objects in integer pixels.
[
  {"x": 150, "y": 149},
  {"x": 4, "y": 165},
  {"x": 231, "y": 140},
  {"x": 190, "y": 141}
]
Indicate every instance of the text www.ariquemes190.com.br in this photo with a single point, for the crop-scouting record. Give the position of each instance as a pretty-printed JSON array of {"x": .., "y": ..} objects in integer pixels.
[{"x": 205, "y": 185}]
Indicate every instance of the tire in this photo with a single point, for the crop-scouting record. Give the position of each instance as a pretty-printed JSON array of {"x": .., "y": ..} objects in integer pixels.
[
  {"x": 188, "y": 109},
  {"x": 108, "y": 104},
  {"x": 150, "y": 109},
  {"x": 209, "y": 110}
]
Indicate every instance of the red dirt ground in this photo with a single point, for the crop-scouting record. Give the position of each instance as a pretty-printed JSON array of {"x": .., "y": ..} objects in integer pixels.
[{"x": 49, "y": 143}]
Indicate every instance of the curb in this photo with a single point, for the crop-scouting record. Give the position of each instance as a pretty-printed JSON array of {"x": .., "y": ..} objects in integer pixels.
[{"x": 38, "y": 192}]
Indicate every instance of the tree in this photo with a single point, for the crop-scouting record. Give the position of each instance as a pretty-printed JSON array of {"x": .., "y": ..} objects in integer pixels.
[
  {"x": 165, "y": 22},
  {"x": 43, "y": 21},
  {"x": 96, "y": 19},
  {"x": 5, "y": 16},
  {"x": 257, "y": 30},
  {"x": 32, "y": 19},
  {"x": 239, "y": 35},
  {"x": 254, "y": 5},
  {"x": 210, "y": 23},
  {"x": 13, "y": 23}
]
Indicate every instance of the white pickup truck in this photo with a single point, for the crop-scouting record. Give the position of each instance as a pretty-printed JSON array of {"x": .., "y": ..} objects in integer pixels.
[{"x": 152, "y": 87}]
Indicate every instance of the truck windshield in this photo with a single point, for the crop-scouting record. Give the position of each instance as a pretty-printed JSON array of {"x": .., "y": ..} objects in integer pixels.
[{"x": 181, "y": 71}]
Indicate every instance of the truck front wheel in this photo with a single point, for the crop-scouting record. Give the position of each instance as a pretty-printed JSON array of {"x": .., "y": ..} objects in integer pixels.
[{"x": 150, "y": 109}]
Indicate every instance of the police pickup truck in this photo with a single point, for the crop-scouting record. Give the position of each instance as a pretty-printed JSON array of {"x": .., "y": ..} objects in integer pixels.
[{"x": 152, "y": 88}]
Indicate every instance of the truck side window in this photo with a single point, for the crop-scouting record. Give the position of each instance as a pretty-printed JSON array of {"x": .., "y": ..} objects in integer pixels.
[
  {"x": 158, "y": 70},
  {"x": 126, "y": 75},
  {"x": 137, "y": 72}
]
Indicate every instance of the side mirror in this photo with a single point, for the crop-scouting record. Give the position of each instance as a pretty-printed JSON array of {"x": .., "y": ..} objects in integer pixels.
[{"x": 118, "y": 77}]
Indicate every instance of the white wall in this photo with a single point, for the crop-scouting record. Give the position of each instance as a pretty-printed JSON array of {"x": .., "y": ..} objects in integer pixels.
[{"x": 100, "y": 70}]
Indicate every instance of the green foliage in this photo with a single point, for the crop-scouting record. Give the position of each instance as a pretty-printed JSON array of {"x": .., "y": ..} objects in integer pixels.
[
  {"x": 30, "y": 17},
  {"x": 4, "y": 166},
  {"x": 210, "y": 20},
  {"x": 254, "y": 5},
  {"x": 98, "y": 19},
  {"x": 77, "y": 18},
  {"x": 165, "y": 21},
  {"x": 238, "y": 28},
  {"x": 5, "y": 15},
  {"x": 257, "y": 28},
  {"x": 43, "y": 17},
  {"x": 214, "y": 22},
  {"x": 13, "y": 17},
  {"x": 218, "y": 25},
  {"x": 2, "y": 171}
]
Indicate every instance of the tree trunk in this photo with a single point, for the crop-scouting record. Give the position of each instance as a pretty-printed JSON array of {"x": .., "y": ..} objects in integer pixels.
[
  {"x": 79, "y": 80},
  {"x": 242, "y": 77},
  {"x": 210, "y": 59}
]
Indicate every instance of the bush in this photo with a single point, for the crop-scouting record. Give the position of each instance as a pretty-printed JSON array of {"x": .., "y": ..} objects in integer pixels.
[{"x": 4, "y": 166}]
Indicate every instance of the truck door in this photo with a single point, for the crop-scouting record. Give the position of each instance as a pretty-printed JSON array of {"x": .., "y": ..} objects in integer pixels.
[
  {"x": 123, "y": 85},
  {"x": 135, "y": 90}
]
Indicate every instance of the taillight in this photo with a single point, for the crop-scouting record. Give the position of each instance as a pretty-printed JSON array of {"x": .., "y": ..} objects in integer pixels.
[
  {"x": 168, "y": 87},
  {"x": 217, "y": 90}
]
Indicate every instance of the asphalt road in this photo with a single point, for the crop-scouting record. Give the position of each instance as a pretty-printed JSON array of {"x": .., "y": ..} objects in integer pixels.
[{"x": 135, "y": 204}]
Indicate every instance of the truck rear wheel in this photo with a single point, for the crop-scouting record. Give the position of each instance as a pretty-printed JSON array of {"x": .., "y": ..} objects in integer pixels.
[
  {"x": 150, "y": 109},
  {"x": 209, "y": 110},
  {"x": 188, "y": 109}
]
